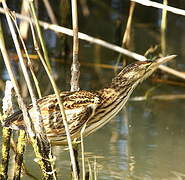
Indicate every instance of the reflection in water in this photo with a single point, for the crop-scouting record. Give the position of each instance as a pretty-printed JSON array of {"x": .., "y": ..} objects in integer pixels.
[{"x": 157, "y": 139}]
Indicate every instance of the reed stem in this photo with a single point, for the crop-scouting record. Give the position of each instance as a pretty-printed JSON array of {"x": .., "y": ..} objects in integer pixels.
[
  {"x": 75, "y": 67},
  {"x": 75, "y": 71},
  {"x": 39, "y": 140},
  {"x": 50, "y": 12},
  {"x": 29, "y": 61},
  {"x": 163, "y": 28},
  {"x": 127, "y": 35},
  {"x": 39, "y": 32},
  {"x": 19, "y": 155},
  {"x": 6, "y": 134},
  {"x": 64, "y": 118}
]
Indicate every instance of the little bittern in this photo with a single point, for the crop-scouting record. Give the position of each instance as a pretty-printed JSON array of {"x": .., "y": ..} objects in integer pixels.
[{"x": 93, "y": 108}]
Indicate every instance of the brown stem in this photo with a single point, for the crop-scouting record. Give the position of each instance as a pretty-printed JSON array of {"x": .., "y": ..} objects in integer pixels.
[
  {"x": 39, "y": 141},
  {"x": 75, "y": 68},
  {"x": 5, "y": 153},
  {"x": 19, "y": 155}
]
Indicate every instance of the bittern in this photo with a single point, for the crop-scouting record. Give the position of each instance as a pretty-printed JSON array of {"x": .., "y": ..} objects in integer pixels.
[{"x": 91, "y": 108}]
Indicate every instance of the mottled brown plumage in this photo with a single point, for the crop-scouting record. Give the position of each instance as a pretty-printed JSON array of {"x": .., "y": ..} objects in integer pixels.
[{"x": 84, "y": 107}]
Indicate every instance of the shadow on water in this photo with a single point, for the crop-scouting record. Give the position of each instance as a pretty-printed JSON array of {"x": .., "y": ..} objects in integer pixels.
[{"x": 146, "y": 139}]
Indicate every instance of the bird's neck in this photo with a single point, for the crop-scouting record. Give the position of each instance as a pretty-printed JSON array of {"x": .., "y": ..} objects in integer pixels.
[
  {"x": 122, "y": 85},
  {"x": 119, "y": 90},
  {"x": 108, "y": 95}
]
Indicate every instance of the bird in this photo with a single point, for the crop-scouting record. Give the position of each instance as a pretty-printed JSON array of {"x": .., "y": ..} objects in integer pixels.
[{"x": 92, "y": 109}]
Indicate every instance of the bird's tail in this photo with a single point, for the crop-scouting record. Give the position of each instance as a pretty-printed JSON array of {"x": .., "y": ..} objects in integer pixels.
[{"x": 15, "y": 121}]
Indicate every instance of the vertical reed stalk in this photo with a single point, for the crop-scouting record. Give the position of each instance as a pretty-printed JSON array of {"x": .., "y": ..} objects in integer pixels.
[
  {"x": 29, "y": 61},
  {"x": 83, "y": 152},
  {"x": 19, "y": 155},
  {"x": 75, "y": 149},
  {"x": 6, "y": 136},
  {"x": 90, "y": 171},
  {"x": 64, "y": 118},
  {"x": 163, "y": 28},
  {"x": 39, "y": 32},
  {"x": 127, "y": 34},
  {"x": 64, "y": 9},
  {"x": 75, "y": 67},
  {"x": 6, "y": 132},
  {"x": 84, "y": 6},
  {"x": 14, "y": 148},
  {"x": 50, "y": 12},
  {"x": 24, "y": 25},
  {"x": 39, "y": 141},
  {"x": 95, "y": 169}
]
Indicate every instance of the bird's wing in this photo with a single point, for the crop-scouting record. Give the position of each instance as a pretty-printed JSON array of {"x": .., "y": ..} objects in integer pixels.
[
  {"x": 79, "y": 107},
  {"x": 76, "y": 119}
]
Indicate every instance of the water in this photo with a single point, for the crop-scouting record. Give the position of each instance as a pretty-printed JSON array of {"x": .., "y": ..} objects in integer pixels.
[{"x": 145, "y": 140}]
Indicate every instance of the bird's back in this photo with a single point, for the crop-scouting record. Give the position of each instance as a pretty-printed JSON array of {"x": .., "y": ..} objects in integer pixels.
[{"x": 79, "y": 107}]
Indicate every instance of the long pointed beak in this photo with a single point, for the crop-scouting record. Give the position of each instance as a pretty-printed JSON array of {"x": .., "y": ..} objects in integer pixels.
[{"x": 164, "y": 59}]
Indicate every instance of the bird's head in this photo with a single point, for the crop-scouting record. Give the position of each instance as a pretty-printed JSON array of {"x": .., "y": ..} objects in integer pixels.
[{"x": 139, "y": 71}]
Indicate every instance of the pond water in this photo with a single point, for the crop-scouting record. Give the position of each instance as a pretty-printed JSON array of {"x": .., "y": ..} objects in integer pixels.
[{"x": 145, "y": 141}]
